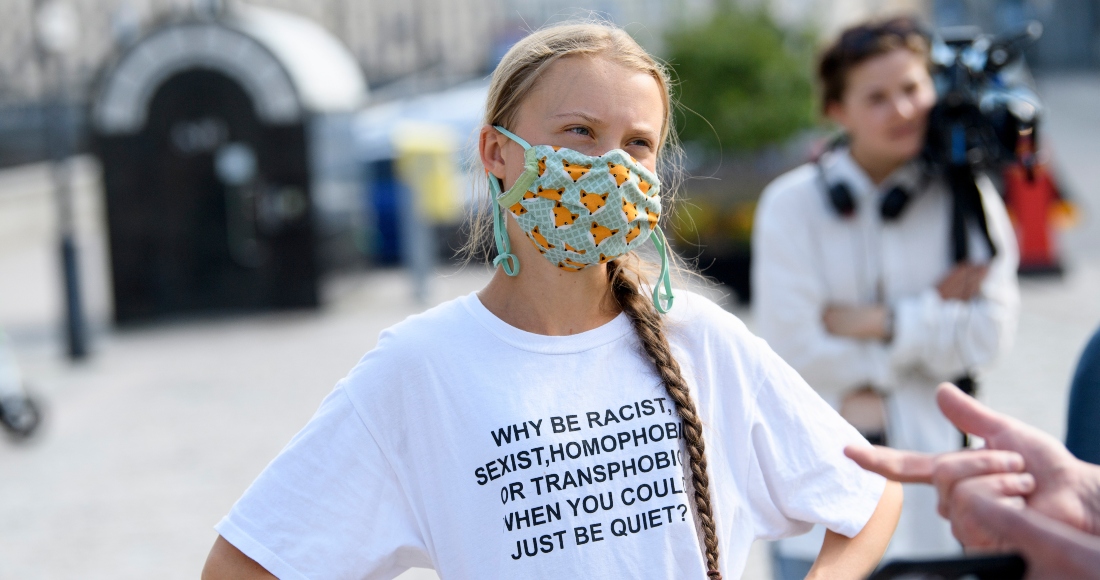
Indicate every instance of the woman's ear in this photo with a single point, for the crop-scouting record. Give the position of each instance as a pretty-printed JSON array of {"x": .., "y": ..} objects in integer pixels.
[{"x": 491, "y": 149}]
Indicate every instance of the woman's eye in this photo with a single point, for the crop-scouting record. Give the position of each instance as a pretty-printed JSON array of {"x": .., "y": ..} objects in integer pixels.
[
  {"x": 580, "y": 131},
  {"x": 640, "y": 143}
]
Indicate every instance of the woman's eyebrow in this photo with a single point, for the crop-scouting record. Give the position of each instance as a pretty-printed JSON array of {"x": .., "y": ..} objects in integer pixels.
[{"x": 581, "y": 114}]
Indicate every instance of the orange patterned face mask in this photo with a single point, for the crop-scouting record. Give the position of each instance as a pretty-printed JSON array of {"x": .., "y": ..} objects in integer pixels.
[{"x": 579, "y": 210}]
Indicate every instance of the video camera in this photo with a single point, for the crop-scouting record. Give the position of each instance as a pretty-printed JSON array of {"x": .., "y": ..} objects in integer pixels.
[{"x": 983, "y": 120}]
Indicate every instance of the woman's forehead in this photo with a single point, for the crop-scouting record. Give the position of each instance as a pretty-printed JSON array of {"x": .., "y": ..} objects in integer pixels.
[
  {"x": 897, "y": 65},
  {"x": 599, "y": 88}
]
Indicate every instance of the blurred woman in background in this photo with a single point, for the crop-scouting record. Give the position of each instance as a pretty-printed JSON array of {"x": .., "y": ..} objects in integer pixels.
[{"x": 855, "y": 284}]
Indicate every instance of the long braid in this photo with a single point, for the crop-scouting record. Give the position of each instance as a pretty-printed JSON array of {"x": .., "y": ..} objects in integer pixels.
[{"x": 649, "y": 326}]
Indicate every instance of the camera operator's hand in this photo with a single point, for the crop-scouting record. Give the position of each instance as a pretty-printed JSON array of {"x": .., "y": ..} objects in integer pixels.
[
  {"x": 1063, "y": 487},
  {"x": 963, "y": 282},
  {"x": 860, "y": 322}
]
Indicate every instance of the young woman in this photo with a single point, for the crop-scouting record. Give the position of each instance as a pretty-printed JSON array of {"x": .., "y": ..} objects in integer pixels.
[
  {"x": 556, "y": 424},
  {"x": 855, "y": 284}
]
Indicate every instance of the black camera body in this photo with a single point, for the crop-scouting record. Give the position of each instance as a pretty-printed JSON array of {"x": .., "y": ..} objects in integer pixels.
[{"x": 983, "y": 120}]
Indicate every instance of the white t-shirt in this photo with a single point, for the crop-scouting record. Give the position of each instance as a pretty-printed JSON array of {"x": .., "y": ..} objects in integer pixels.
[{"x": 466, "y": 445}]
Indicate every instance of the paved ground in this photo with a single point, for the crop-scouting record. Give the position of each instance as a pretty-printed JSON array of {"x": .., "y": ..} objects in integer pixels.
[{"x": 149, "y": 442}]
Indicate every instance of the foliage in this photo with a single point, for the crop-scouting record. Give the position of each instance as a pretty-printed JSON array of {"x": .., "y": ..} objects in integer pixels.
[{"x": 743, "y": 75}]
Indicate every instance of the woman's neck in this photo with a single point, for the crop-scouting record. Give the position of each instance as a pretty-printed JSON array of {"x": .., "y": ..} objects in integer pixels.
[
  {"x": 546, "y": 300},
  {"x": 877, "y": 167}
]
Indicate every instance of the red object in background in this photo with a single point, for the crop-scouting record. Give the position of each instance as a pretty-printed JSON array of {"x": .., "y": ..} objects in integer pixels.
[{"x": 1032, "y": 197}]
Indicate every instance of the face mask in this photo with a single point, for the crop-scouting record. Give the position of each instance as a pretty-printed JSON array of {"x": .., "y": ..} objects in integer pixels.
[{"x": 579, "y": 210}]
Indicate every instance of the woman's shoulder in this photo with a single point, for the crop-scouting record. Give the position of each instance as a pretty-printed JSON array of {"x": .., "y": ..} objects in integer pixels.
[
  {"x": 793, "y": 187},
  {"x": 696, "y": 318},
  {"x": 412, "y": 341}
]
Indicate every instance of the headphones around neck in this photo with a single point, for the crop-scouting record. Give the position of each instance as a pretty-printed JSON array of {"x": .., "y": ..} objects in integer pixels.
[{"x": 840, "y": 195}]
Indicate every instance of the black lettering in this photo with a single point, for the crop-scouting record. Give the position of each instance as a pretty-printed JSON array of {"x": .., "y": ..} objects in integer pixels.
[
  {"x": 572, "y": 423},
  {"x": 547, "y": 545},
  {"x": 504, "y": 464},
  {"x": 641, "y": 461},
  {"x": 622, "y": 415},
  {"x": 648, "y": 492},
  {"x": 624, "y": 438},
  {"x": 661, "y": 402},
  {"x": 492, "y": 471},
  {"x": 656, "y": 433},
  {"x": 610, "y": 501},
  {"x": 584, "y": 476},
  {"x": 534, "y": 548},
  {"x": 503, "y": 434},
  {"x": 609, "y": 416},
  {"x": 662, "y": 459},
  {"x": 657, "y": 489},
  {"x": 668, "y": 512},
  {"x": 623, "y": 496},
  {"x": 508, "y": 520},
  {"x": 517, "y": 429},
  {"x": 632, "y": 521},
  {"x": 611, "y": 469},
  {"x": 519, "y": 552},
  {"x": 671, "y": 432},
  {"x": 524, "y": 459},
  {"x": 640, "y": 434},
  {"x": 568, "y": 480},
  {"x": 482, "y": 479},
  {"x": 537, "y": 517},
  {"x": 591, "y": 447},
  {"x": 561, "y": 539},
  {"x": 672, "y": 481},
  {"x": 553, "y": 512},
  {"x": 580, "y": 535},
  {"x": 538, "y": 453},
  {"x": 558, "y": 424},
  {"x": 647, "y": 408},
  {"x": 515, "y": 488},
  {"x": 526, "y": 517},
  {"x": 595, "y": 528},
  {"x": 538, "y": 427},
  {"x": 538, "y": 484},
  {"x": 573, "y": 504},
  {"x": 620, "y": 529},
  {"x": 557, "y": 454},
  {"x": 601, "y": 474},
  {"x": 573, "y": 449},
  {"x": 552, "y": 482},
  {"x": 628, "y": 467},
  {"x": 607, "y": 447},
  {"x": 593, "y": 418}
]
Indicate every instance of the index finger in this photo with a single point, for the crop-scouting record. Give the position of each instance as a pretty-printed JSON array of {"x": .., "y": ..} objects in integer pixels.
[{"x": 893, "y": 464}]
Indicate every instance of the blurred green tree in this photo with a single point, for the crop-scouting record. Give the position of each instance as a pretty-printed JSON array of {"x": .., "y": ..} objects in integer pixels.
[{"x": 745, "y": 76}]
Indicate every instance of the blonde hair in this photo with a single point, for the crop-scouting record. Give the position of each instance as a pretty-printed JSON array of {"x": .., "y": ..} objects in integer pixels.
[{"x": 512, "y": 81}]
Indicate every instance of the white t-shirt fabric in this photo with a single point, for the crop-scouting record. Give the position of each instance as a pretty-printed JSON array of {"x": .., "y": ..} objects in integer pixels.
[{"x": 463, "y": 444}]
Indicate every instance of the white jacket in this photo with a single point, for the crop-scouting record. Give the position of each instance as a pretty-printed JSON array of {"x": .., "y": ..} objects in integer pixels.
[{"x": 806, "y": 257}]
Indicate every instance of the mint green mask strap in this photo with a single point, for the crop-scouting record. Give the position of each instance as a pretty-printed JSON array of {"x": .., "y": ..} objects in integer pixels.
[
  {"x": 505, "y": 258},
  {"x": 513, "y": 137},
  {"x": 524, "y": 181},
  {"x": 662, "y": 290}
]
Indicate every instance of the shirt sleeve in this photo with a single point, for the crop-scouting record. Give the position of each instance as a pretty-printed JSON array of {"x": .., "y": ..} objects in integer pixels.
[
  {"x": 951, "y": 337},
  {"x": 788, "y": 302},
  {"x": 799, "y": 475},
  {"x": 328, "y": 506}
]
